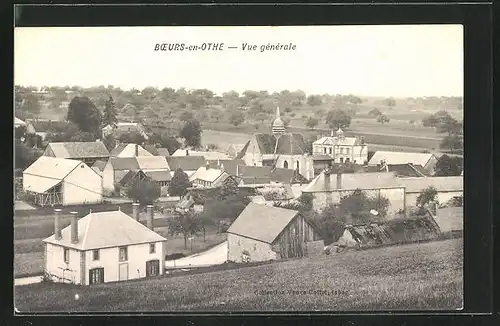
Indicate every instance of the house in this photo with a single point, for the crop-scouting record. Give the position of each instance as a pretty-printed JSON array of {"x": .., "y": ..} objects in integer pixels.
[
  {"x": 450, "y": 220},
  {"x": 208, "y": 155},
  {"x": 261, "y": 175},
  {"x": 321, "y": 162},
  {"x": 188, "y": 164},
  {"x": 88, "y": 152},
  {"x": 390, "y": 232},
  {"x": 208, "y": 177},
  {"x": 124, "y": 128},
  {"x": 447, "y": 187},
  {"x": 115, "y": 170},
  {"x": 234, "y": 150},
  {"x": 328, "y": 188},
  {"x": 58, "y": 181},
  {"x": 426, "y": 160},
  {"x": 262, "y": 233},
  {"x": 103, "y": 247},
  {"x": 152, "y": 163},
  {"x": 279, "y": 149},
  {"x": 129, "y": 150},
  {"x": 230, "y": 166},
  {"x": 342, "y": 149}
]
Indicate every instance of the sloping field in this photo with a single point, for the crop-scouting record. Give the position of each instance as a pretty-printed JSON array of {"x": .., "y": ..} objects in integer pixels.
[{"x": 414, "y": 277}]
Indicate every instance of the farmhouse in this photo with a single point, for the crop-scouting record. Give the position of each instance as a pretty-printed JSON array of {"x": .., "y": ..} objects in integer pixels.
[
  {"x": 342, "y": 149},
  {"x": 58, "y": 181},
  {"x": 103, "y": 247},
  {"x": 262, "y": 233},
  {"x": 279, "y": 149},
  {"x": 447, "y": 187},
  {"x": 426, "y": 160},
  {"x": 188, "y": 164},
  {"x": 328, "y": 188},
  {"x": 396, "y": 231},
  {"x": 88, "y": 152},
  {"x": 129, "y": 150},
  {"x": 208, "y": 177}
]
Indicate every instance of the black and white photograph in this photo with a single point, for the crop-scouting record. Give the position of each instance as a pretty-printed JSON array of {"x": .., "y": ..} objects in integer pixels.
[{"x": 238, "y": 168}]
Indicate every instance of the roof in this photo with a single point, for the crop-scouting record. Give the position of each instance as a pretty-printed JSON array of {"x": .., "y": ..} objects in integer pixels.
[
  {"x": 236, "y": 147},
  {"x": 106, "y": 229},
  {"x": 407, "y": 170},
  {"x": 124, "y": 163},
  {"x": 351, "y": 181},
  {"x": 287, "y": 176},
  {"x": 205, "y": 174},
  {"x": 151, "y": 149},
  {"x": 52, "y": 167},
  {"x": 322, "y": 157},
  {"x": 229, "y": 165},
  {"x": 209, "y": 155},
  {"x": 288, "y": 144},
  {"x": 400, "y": 158},
  {"x": 162, "y": 151},
  {"x": 395, "y": 231},
  {"x": 332, "y": 140},
  {"x": 79, "y": 149},
  {"x": 128, "y": 150},
  {"x": 129, "y": 176},
  {"x": 100, "y": 164},
  {"x": 159, "y": 175},
  {"x": 185, "y": 202},
  {"x": 19, "y": 122},
  {"x": 242, "y": 152},
  {"x": 152, "y": 163},
  {"x": 186, "y": 163},
  {"x": 441, "y": 184},
  {"x": 450, "y": 218},
  {"x": 249, "y": 223},
  {"x": 254, "y": 174}
]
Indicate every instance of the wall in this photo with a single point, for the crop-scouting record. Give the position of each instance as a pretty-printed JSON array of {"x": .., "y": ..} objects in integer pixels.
[
  {"x": 259, "y": 251},
  {"x": 252, "y": 155},
  {"x": 108, "y": 178},
  {"x": 291, "y": 242},
  {"x": 138, "y": 255},
  {"x": 82, "y": 186},
  {"x": 396, "y": 198},
  {"x": 55, "y": 264},
  {"x": 306, "y": 168},
  {"x": 443, "y": 196}
]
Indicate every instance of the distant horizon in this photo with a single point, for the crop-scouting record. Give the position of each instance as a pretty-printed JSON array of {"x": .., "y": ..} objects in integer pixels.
[{"x": 397, "y": 61}]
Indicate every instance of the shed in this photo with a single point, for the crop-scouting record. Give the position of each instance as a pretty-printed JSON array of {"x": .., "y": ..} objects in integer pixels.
[{"x": 262, "y": 233}]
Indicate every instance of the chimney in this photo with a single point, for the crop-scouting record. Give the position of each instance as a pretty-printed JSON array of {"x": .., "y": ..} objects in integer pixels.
[
  {"x": 135, "y": 211},
  {"x": 74, "y": 227},
  {"x": 362, "y": 140},
  {"x": 222, "y": 167},
  {"x": 150, "y": 213},
  {"x": 207, "y": 165},
  {"x": 339, "y": 180},
  {"x": 136, "y": 150},
  {"x": 57, "y": 226}
]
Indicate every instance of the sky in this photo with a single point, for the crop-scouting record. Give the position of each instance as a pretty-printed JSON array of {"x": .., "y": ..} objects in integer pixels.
[{"x": 398, "y": 60}]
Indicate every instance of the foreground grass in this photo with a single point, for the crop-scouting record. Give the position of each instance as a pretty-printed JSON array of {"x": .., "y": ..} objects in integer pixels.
[{"x": 415, "y": 277}]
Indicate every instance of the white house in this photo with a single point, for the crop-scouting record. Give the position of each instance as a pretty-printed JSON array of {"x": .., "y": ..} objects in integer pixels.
[
  {"x": 341, "y": 148},
  {"x": 426, "y": 160},
  {"x": 206, "y": 176},
  {"x": 58, "y": 181},
  {"x": 103, "y": 247}
]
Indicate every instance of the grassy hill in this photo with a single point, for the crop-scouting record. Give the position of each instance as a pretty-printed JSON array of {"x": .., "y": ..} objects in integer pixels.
[{"x": 414, "y": 277}]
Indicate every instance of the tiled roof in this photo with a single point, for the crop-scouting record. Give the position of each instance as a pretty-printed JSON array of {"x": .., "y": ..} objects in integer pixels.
[
  {"x": 124, "y": 163},
  {"x": 400, "y": 158},
  {"x": 288, "y": 144},
  {"x": 243, "y": 151},
  {"x": 229, "y": 165},
  {"x": 129, "y": 176},
  {"x": 79, "y": 150},
  {"x": 255, "y": 174},
  {"x": 352, "y": 181},
  {"x": 287, "y": 176},
  {"x": 250, "y": 222},
  {"x": 152, "y": 163},
  {"x": 208, "y": 155},
  {"x": 99, "y": 164},
  {"x": 52, "y": 167},
  {"x": 128, "y": 150},
  {"x": 407, "y": 170},
  {"x": 329, "y": 140},
  {"x": 159, "y": 175},
  {"x": 413, "y": 185},
  {"x": 106, "y": 229},
  {"x": 186, "y": 163}
]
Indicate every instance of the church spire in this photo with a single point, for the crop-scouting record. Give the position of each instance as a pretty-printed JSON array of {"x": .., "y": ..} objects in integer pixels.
[
  {"x": 278, "y": 116},
  {"x": 278, "y": 127}
]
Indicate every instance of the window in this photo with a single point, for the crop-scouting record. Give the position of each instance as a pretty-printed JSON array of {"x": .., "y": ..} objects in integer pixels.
[
  {"x": 66, "y": 255},
  {"x": 341, "y": 160},
  {"x": 152, "y": 248},
  {"x": 347, "y": 150},
  {"x": 324, "y": 149},
  {"x": 330, "y": 151},
  {"x": 95, "y": 255},
  {"x": 96, "y": 275},
  {"x": 285, "y": 165},
  {"x": 298, "y": 165},
  {"x": 354, "y": 161},
  {"x": 341, "y": 150},
  {"x": 347, "y": 160},
  {"x": 123, "y": 254}
]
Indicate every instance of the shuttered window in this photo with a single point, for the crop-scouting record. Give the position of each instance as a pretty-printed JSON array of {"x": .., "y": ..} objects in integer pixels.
[
  {"x": 66, "y": 255},
  {"x": 123, "y": 254}
]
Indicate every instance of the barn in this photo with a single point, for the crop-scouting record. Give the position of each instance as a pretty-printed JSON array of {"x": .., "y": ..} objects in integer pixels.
[
  {"x": 57, "y": 181},
  {"x": 262, "y": 233},
  {"x": 103, "y": 247}
]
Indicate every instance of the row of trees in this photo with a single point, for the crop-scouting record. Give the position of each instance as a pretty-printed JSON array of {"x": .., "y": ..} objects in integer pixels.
[{"x": 444, "y": 123}]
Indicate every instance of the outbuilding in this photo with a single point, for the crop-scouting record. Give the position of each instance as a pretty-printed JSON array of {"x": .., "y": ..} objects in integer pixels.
[
  {"x": 57, "y": 181},
  {"x": 103, "y": 247},
  {"x": 262, "y": 233}
]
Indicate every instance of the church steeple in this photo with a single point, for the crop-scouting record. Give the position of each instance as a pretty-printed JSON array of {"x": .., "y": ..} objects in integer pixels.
[{"x": 278, "y": 127}]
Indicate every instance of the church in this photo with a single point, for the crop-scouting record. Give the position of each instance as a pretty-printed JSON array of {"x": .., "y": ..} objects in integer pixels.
[{"x": 279, "y": 149}]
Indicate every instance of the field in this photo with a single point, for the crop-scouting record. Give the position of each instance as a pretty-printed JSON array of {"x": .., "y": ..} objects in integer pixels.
[
  {"x": 426, "y": 276},
  {"x": 30, "y": 230}
]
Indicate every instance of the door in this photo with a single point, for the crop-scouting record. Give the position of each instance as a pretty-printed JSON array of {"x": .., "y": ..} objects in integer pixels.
[
  {"x": 153, "y": 268},
  {"x": 123, "y": 272},
  {"x": 96, "y": 275}
]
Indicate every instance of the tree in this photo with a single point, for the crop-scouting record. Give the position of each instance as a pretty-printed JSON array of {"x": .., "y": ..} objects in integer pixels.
[
  {"x": 375, "y": 112},
  {"x": 143, "y": 191},
  {"x": 186, "y": 116},
  {"x": 30, "y": 104},
  {"x": 314, "y": 100},
  {"x": 356, "y": 207},
  {"x": 426, "y": 196},
  {"x": 383, "y": 119},
  {"x": 338, "y": 119},
  {"x": 236, "y": 118},
  {"x": 132, "y": 137},
  {"x": 261, "y": 117},
  {"x": 24, "y": 156},
  {"x": 83, "y": 113},
  {"x": 286, "y": 121},
  {"x": 452, "y": 142},
  {"x": 170, "y": 143},
  {"x": 187, "y": 224},
  {"x": 390, "y": 102},
  {"x": 448, "y": 166},
  {"x": 191, "y": 132},
  {"x": 312, "y": 122},
  {"x": 227, "y": 209},
  {"x": 216, "y": 115},
  {"x": 179, "y": 184}
]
